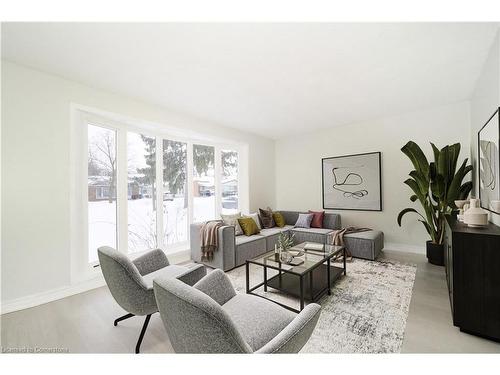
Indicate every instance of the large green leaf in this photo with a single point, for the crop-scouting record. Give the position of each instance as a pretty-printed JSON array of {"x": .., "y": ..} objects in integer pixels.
[
  {"x": 454, "y": 152},
  {"x": 443, "y": 163},
  {"x": 422, "y": 181},
  {"x": 438, "y": 187},
  {"x": 417, "y": 157},
  {"x": 427, "y": 227},
  {"x": 405, "y": 211},
  {"x": 456, "y": 183},
  {"x": 416, "y": 189},
  {"x": 436, "y": 152},
  {"x": 465, "y": 190}
]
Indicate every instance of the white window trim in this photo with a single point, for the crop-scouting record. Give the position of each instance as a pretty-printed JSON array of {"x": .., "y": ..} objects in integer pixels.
[{"x": 80, "y": 115}]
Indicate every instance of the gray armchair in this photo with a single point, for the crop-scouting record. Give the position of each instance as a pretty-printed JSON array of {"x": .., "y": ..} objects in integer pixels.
[
  {"x": 131, "y": 282},
  {"x": 210, "y": 317}
]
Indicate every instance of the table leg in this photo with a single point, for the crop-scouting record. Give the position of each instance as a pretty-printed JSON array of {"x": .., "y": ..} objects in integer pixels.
[
  {"x": 328, "y": 276},
  {"x": 279, "y": 277},
  {"x": 247, "y": 277},
  {"x": 345, "y": 268},
  {"x": 311, "y": 290},
  {"x": 265, "y": 279},
  {"x": 301, "y": 292}
]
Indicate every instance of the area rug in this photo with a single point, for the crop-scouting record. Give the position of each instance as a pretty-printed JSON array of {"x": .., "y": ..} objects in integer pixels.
[{"x": 366, "y": 312}]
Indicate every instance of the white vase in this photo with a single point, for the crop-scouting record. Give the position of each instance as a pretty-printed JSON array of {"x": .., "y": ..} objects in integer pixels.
[{"x": 475, "y": 216}]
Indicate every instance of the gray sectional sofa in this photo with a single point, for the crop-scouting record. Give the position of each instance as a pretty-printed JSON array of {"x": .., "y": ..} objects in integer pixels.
[{"x": 233, "y": 250}]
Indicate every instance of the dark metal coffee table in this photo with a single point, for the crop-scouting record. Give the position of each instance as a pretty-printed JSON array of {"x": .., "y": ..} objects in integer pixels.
[{"x": 307, "y": 281}]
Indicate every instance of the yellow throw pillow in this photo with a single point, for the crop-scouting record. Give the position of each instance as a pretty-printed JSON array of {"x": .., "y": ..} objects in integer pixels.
[
  {"x": 248, "y": 225},
  {"x": 279, "y": 219}
]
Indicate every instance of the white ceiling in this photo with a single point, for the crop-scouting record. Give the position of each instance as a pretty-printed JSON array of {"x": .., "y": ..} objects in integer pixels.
[{"x": 270, "y": 79}]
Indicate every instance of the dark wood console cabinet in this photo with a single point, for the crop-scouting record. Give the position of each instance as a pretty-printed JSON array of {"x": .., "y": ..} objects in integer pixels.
[{"x": 472, "y": 262}]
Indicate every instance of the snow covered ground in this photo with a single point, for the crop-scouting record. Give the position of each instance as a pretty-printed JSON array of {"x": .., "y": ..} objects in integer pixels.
[{"x": 142, "y": 222}]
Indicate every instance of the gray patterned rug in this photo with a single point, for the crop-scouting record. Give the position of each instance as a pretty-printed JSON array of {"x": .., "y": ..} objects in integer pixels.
[{"x": 366, "y": 312}]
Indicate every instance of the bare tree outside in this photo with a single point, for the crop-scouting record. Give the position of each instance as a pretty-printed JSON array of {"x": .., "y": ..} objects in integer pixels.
[{"x": 102, "y": 160}]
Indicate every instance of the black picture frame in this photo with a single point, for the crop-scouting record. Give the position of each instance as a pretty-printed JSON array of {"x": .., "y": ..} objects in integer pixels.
[
  {"x": 380, "y": 208},
  {"x": 497, "y": 112}
]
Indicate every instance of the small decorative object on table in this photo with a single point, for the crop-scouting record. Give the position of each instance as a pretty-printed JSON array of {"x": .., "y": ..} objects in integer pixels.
[
  {"x": 475, "y": 216},
  {"x": 286, "y": 257},
  {"x": 285, "y": 241},
  {"x": 460, "y": 205}
]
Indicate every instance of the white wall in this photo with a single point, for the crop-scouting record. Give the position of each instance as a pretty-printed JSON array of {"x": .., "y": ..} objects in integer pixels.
[
  {"x": 485, "y": 100},
  {"x": 298, "y": 165},
  {"x": 36, "y": 175}
]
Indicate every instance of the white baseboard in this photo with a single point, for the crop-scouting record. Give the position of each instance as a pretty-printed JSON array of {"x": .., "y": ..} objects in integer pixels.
[
  {"x": 50, "y": 295},
  {"x": 70, "y": 290},
  {"x": 404, "y": 248}
]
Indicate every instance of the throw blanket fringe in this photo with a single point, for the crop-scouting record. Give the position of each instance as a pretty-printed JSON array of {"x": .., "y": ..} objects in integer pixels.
[
  {"x": 337, "y": 237},
  {"x": 209, "y": 238}
]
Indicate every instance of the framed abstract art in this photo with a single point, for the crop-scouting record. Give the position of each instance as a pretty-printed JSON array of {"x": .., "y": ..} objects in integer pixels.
[
  {"x": 488, "y": 160},
  {"x": 352, "y": 182}
]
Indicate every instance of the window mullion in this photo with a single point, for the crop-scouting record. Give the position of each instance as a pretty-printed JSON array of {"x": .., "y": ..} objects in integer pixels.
[
  {"x": 190, "y": 173},
  {"x": 217, "y": 180},
  {"x": 159, "y": 194},
  {"x": 122, "y": 191}
]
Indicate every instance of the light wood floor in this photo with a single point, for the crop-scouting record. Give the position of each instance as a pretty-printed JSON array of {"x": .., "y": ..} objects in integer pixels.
[{"x": 84, "y": 323}]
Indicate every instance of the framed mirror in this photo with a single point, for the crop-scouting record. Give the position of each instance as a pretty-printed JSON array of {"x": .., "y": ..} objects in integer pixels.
[{"x": 489, "y": 168}]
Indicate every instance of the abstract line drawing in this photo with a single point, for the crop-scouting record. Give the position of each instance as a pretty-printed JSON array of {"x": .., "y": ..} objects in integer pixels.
[
  {"x": 352, "y": 182},
  {"x": 351, "y": 179},
  {"x": 488, "y": 160}
]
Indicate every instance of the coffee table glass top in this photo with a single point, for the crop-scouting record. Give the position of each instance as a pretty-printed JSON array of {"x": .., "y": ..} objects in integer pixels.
[{"x": 310, "y": 258}]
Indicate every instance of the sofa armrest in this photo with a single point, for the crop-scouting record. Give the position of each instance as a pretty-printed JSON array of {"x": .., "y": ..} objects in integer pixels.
[
  {"x": 223, "y": 257},
  {"x": 151, "y": 261},
  {"x": 193, "y": 274},
  {"x": 217, "y": 286},
  {"x": 296, "y": 334}
]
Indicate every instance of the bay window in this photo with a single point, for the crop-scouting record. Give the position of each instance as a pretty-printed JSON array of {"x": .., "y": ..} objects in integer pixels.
[
  {"x": 203, "y": 183},
  {"x": 175, "y": 194},
  {"x": 101, "y": 184},
  {"x": 144, "y": 185},
  {"x": 141, "y": 192}
]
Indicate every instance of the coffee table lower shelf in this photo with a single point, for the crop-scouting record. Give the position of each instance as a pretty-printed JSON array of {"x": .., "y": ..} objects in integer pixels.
[
  {"x": 290, "y": 283},
  {"x": 314, "y": 284}
]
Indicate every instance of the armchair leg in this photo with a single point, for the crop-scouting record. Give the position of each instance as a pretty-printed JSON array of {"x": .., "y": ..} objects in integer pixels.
[
  {"x": 126, "y": 316},
  {"x": 143, "y": 331}
]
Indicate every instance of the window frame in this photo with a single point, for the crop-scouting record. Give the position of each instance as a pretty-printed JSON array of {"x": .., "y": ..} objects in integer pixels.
[{"x": 81, "y": 117}]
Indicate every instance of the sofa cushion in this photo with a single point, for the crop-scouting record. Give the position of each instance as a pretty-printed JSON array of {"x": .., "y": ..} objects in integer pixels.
[
  {"x": 248, "y": 225},
  {"x": 366, "y": 245},
  {"x": 257, "y": 319},
  {"x": 266, "y": 218},
  {"x": 246, "y": 239},
  {"x": 250, "y": 249},
  {"x": 319, "y": 235},
  {"x": 317, "y": 221},
  {"x": 304, "y": 221},
  {"x": 313, "y": 230},
  {"x": 270, "y": 231}
]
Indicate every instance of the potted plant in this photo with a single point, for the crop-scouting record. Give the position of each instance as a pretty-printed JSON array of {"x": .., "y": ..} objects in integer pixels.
[{"x": 436, "y": 186}]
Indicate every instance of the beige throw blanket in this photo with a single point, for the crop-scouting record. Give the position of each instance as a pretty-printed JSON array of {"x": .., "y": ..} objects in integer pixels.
[
  {"x": 337, "y": 237},
  {"x": 209, "y": 238}
]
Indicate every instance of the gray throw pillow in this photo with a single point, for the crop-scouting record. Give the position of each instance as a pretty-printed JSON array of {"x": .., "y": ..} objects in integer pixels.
[{"x": 304, "y": 221}]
